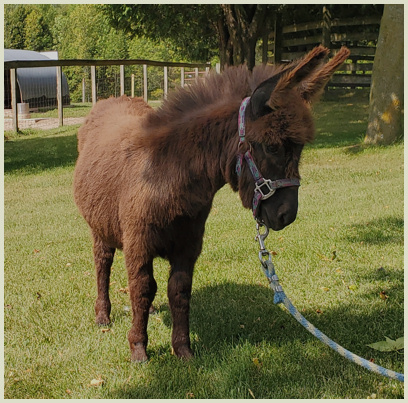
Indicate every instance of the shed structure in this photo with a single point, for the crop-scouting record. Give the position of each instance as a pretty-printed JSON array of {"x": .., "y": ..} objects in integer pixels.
[{"x": 37, "y": 86}]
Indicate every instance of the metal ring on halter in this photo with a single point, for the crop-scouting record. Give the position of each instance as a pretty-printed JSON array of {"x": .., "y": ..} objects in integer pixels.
[{"x": 260, "y": 187}]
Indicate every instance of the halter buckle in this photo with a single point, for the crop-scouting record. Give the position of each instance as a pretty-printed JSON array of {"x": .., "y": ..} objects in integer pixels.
[{"x": 260, "y": 186}]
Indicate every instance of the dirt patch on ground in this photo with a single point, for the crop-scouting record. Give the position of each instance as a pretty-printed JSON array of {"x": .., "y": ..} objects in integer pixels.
[{"x": 41, "y": 123}]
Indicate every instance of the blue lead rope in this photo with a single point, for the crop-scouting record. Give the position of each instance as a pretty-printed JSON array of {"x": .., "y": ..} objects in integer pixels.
[{"x": 280, "y": 297}]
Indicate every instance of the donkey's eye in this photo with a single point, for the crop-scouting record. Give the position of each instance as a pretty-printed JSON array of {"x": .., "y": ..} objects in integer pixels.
[{"x": 272, "y": 149}]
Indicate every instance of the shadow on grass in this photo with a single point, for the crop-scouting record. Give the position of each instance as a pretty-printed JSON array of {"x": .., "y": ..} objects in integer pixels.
[
  {"x": 33, "y": 155},
  {"x": 379, "y": 231},
  {"x": 232, "y": 324},
  {"x": 340, "y": 122}
]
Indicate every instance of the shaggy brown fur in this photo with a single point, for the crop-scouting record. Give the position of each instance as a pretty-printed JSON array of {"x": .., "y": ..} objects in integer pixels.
[{"x": 145, "y": 179}]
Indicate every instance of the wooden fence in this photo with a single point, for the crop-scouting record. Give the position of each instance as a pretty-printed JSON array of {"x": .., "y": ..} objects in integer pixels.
[
  {"x": 360, "y": 35},
  {"x": 10, "y": 68}
]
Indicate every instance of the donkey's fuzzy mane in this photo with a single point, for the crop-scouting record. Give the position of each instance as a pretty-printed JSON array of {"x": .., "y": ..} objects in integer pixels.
[{"x": 234, "y": 84}]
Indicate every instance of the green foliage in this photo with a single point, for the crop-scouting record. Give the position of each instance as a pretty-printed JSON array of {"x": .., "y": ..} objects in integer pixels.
[
  {"x": 38, "y": 25},
  {"x": 388, "y": 345},
  {"x": 82, "y": 33},
  {"x": 28, "y": 26},
  {"x": 14, "y": 23},
  {"x": 198, "y": 29},
  {"x": 188, "y": 29},
  {"x": 245, "y": 345}
]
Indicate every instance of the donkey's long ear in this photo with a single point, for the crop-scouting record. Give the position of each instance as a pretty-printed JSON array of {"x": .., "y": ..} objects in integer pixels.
[
  {"x": 258, "y": 104},
  {"x": 305, "y": 68},
  {"x": 312, "y": 87},
  {"x": 262, "y": 98}
]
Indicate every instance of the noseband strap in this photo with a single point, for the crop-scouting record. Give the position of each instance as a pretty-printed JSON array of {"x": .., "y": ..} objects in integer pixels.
[{"x": 264, "y": 188}]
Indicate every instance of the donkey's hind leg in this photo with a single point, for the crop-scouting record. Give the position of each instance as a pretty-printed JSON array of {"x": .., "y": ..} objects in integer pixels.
[{"x": 103, "y": 256}]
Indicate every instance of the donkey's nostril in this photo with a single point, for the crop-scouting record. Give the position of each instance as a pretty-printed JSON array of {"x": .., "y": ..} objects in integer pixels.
[
  {"x": 286, "y": 217},
  {"x": 282, "y": 218}
]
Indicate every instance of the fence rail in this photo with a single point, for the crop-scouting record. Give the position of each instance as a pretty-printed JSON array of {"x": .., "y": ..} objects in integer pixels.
[
  {"x": 126, "y": 80},
  {"x": 91, "y": 62}
]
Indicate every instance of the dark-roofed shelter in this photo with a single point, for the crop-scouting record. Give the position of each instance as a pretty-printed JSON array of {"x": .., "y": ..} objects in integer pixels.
[{"x": 36, "y": 85}]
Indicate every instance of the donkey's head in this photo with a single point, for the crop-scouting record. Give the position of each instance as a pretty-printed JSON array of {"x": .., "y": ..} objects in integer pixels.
[{"x": 275, "y": 123}]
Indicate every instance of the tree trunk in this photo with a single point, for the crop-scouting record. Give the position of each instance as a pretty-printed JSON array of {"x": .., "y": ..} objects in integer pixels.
[
  {"x": 223, "y": 40},
  {"x": 387, "y": 85},
  {"x": 246, "y": 24}
]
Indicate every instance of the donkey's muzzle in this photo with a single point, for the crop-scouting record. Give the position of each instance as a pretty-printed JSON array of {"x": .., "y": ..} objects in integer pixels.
[{"x": 280, "y": 210}]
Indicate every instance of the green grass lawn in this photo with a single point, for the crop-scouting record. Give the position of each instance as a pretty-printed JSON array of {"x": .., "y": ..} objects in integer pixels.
[
  {"x": 75, "y": 110},
  {"x": 340, "y": 262}
]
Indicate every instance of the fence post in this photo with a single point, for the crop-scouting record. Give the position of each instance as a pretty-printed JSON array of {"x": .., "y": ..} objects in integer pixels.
[
  {"x": 132, "y": 84},
  {"x": 83, "y": 90},
  {"x": 218, "y": 68},
  {"x": 277, "y": 43},
  {"x": 166, "y": 82},
  {"x": 13, "y": 82},
  {"x": 326, "y": 33},
  {"x": 145, "y": 82},
  {"x": 196, "y": 73},
  {"x": 93, "y": 79},
  {"x": 59, "y": 96},
  {"x": 182, "y": 77},
  {"x": 122, "y": 79},
  {"x": 326, "y": 29}
]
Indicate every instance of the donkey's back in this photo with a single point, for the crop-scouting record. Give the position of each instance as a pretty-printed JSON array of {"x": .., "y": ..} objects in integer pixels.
[{"x": 112, "y": 119}]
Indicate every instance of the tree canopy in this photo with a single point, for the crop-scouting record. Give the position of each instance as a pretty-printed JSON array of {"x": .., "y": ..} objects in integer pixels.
[
  {"x": 179, "y": 25},
  {"x": 232, "y": 31},
  {"x": 227, "y": 33},
  {"x": 28, "y": 26},
  {"x": 198, "y": 29}
]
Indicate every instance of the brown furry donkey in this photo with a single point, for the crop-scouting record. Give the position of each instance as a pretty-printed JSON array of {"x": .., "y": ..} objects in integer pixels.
[{"x": 145, "y": 179}]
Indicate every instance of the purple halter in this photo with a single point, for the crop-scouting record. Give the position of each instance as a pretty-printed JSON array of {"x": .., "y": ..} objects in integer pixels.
[{"x": 264, "y": 188}]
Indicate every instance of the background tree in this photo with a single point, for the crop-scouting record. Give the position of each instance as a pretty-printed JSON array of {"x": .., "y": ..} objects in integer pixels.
[
  {"x": 197, "y": 29},
  {"x": 387, "y": 83},
  {"x": 244, "y": 24},
  {"x": 14, "y": 25},
  {"x": 28, "y": 26},
  {"x": 188, "y": 29},
  {"x": 38, "y": 26}
]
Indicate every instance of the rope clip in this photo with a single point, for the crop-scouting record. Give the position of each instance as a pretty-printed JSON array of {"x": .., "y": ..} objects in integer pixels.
[{"x": 264, "y": 255}]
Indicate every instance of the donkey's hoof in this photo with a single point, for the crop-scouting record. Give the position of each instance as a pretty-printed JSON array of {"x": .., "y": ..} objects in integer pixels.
[
  {"x": 102, "y": 320},
  {"x": 184, "y": 352},
  {"x": 138, "y": 352}
]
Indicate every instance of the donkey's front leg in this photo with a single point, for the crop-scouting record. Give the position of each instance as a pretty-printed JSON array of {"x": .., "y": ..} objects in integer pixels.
[
  {"x": 179, "y": 294},
  {"x": 142, "y": 290}
]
